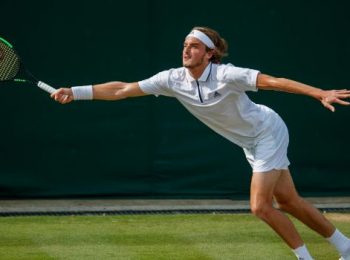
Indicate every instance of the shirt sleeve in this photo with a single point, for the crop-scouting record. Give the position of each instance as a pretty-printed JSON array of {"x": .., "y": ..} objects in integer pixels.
[
  {"x": 242, "y": 79},
  {"x": 156, "y": 85}
]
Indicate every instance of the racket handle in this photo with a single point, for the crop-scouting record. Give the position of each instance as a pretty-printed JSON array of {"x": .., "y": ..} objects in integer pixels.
[{"x": 46, "y": 87}]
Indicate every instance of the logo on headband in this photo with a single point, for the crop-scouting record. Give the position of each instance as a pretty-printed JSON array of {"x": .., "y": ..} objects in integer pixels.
[{"x": 203, "y": 38}]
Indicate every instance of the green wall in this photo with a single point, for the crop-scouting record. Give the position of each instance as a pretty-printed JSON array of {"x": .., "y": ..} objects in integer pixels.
[{"x": 151, "y": 147}]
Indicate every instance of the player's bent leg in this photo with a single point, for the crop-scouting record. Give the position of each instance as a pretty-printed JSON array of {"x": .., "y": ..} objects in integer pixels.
[
  {"x": 261, "y": 202},
  {"x": 289, "y": 201}
]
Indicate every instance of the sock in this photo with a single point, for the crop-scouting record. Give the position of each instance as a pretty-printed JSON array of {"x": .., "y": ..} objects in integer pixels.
[
  {"x": 341, "y": 242},
  {"x": 302, "y": 253}
]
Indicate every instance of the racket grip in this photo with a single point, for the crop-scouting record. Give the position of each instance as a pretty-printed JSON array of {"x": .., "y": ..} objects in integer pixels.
[{"x": 46, "y": 87}]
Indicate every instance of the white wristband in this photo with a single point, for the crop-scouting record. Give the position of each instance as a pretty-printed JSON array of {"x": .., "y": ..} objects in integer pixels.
[{"x": 82, "y": 92}]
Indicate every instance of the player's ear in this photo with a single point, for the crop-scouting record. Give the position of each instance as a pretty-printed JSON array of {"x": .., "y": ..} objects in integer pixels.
[{"x": 210, "y": 54}]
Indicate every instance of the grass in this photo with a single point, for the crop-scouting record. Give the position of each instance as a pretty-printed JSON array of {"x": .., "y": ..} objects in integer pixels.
[{"x": 150, "y": 237}]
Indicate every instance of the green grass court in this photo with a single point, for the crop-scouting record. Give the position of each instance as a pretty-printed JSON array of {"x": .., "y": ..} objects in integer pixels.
[{"x": 202, "y": 236}]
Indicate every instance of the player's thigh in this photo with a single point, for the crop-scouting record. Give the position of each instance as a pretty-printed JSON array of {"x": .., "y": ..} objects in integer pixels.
[{"x": 263, "y": 185}]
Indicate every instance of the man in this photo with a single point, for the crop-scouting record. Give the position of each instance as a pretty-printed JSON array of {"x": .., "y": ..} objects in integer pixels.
[{"x": 215, "y": 94}]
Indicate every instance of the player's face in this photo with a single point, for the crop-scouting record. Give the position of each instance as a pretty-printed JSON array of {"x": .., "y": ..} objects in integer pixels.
[{"x": 194, "y": 53}]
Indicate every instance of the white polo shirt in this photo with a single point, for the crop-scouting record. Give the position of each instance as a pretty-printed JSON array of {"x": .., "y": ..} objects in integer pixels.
[{"x": 217, "y": 98}]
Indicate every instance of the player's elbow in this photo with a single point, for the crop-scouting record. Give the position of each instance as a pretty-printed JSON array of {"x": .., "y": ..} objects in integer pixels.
[
  {"x": 116, "y": 90},
  {"x": 132, "y": 90},
  {"x": 122, "y": 90},
  {"x": 121, "y": 94}
]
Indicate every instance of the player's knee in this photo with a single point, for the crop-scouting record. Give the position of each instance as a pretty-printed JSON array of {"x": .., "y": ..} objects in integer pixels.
[{"x": 261, "y": 209}]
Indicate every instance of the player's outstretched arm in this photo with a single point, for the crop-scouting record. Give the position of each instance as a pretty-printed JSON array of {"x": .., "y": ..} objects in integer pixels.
[
  {"x": 108, "y": 91},
  {"x": 326, "y": 97},
  {"x": 117, "y": 90}
]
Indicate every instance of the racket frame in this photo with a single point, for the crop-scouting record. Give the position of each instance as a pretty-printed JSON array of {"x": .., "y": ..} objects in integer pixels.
[{"x": 44, "y": 86}]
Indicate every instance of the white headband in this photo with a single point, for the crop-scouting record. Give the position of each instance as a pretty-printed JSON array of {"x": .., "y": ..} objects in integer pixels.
[{"x": 202, "y": 37}]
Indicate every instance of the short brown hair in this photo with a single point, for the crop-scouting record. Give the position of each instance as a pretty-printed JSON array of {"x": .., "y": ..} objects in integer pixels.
[{"x": 221, "y": 45}]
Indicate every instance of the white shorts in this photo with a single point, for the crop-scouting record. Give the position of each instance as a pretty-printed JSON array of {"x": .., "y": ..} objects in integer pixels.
[{"x": 270, "y": 152}]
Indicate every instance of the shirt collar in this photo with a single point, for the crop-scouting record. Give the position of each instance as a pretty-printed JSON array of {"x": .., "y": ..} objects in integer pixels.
[{"x": 205, "y": 75}]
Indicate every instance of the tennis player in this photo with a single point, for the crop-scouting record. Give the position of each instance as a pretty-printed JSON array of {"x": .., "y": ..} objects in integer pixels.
[{"x": 216, "y": 94}]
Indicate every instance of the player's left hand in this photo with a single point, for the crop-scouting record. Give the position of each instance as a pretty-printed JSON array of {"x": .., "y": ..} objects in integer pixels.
[{"x": 330, "y": 97}]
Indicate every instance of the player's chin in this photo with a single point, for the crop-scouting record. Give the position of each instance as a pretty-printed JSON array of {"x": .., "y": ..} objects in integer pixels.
[{"x": 186, "y": 64}]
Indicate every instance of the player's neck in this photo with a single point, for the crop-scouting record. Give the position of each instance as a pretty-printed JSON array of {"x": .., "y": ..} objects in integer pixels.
[{"x": 197, "y": 71}]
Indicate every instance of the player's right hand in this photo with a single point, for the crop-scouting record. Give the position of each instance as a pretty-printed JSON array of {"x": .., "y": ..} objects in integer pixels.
[{"x": 63, "y": 95}]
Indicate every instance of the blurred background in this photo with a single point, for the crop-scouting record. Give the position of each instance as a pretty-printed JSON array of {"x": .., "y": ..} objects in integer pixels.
[{"x": 151, "y": 147}]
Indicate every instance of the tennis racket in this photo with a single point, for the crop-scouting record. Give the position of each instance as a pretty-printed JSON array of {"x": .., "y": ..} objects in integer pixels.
[{"x": 11, "y": 68}]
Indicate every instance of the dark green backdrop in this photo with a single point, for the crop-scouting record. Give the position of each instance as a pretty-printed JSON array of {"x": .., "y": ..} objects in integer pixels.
[{"x": 151, "y": 147}]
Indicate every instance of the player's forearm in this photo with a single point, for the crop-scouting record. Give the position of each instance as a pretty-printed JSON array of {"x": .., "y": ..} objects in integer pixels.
[
  {"x": 109, "y": 91},
  {"x": 116, "y": 90},
  {"x": 290, "y": 86},
  {"x": 295, "y": 87}
]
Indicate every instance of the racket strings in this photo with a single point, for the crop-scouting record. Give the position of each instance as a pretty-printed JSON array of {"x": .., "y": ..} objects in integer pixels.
[{"x": 9, "y": 62}]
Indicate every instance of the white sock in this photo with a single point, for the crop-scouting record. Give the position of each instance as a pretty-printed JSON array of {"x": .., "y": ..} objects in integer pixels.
[
  {"x": 302, "y": 253},
  {"x": 341, "y": 242}
]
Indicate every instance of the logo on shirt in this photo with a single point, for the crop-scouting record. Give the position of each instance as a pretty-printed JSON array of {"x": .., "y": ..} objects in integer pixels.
[{"x": 217, "y": 94}]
